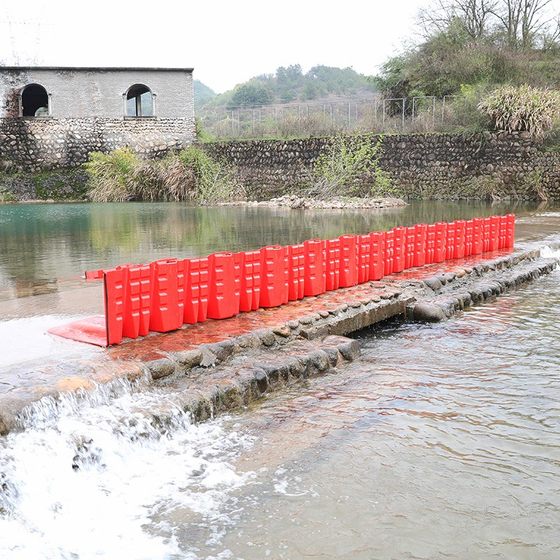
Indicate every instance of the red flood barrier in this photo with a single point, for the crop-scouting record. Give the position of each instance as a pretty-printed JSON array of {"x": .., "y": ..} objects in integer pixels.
[
  {"x": 420, "y": 237},
  {"x": 377, "y": 260},
  {"x": 399, "y": 249},
  {"x": 250, "y": 280},
  {"x": 273, "y": 276},
  {"x": 410, "y": 246},
  {"x": 296, "y": 272},
  {"x": 364, "y": 257},
  {"x": 332, "y": 264},
  {"x": 430, "y": 243},
  {"x": 167, "y": 293},
  {"x": 478, "y": 231},
  {"x": 137, "y": 304},
  {"x": 459, "y": 241},
  {"x": 389, "y": 252},
  {"x": 469, "y": 233},
  {"x": 440, "y": 242},
  {"x": 166, "y": 312},
  {"x": 315, "y": 277},
  {"x": 348, "y": 261},
  {"x": 224, "y": 285}
]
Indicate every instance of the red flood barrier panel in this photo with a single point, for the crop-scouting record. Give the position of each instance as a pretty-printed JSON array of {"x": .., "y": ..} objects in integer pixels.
[
  {"x": 166, "y": 312},
  {"x": 296, "y": 272},
  {"x": 315, "y": 277},
  {"x": 224, "y": 285},
  {"x": 430, "y": 243},
  {"x": 420, "y": 237},
  {"x": 348, "y": 261},
  {"x": 250, "y": 280},
  {"x": 389, "y": 252},
  {"x": 469, "y": 233},
  {"x": 332, "y": 264},
  {"x": 410, "y": 246},
  {"x": 377, "y": 260},
  {"x": 399, "y": 249},
  {"x": 167, "y": 293},
  {"x": 137, "y": 306},
  {"x": 273, "y": 276},
  {"x": 478, "y": 231},
  {"x": 364, "y": 257},
  {"x": 459, "y": 241}
]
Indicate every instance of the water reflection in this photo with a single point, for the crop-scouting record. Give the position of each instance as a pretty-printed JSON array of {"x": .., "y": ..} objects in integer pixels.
[{"x": 51, "y": 245}]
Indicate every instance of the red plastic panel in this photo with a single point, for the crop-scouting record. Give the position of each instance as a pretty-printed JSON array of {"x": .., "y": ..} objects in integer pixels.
[
  {"x": 296, "y": 272},
  {"x": 450, "y": 244},
  {"x": 191, "y": 270},
  {"x": 410, "y": 246},
  {"x": 137, "y": 306},
  {"x": 332, "y": 264},
  {"x": 389, "y": 252},
  {"x": 166, "y": 312},
  {"x": 420, "y": 238},
  {"x": 364, "y": 257},
  {"x": 440, "y": 244},
  {"x": 204, "y": 288},
  {"x": 377, "y": 260},
  {"x": 494, "y": 233},
  {"x": 224, "y": 286},
  {"x": 250, "y": 263},
  {"x": 315, "y": 277},
  {"x": 93, "y": 274},
  {"x": 399, "y": 250},
  {"x": 459, "y": 242},
  {"x": 510, "y": 234},
  {"x": 92, "y": 330},
  {"x": 348, "y": 261},
  {"x": 502, "y": 241},
  {"x": 478, "y": 232},
  {"x": 114, "y": 291},
  {"x": 274, "y": 270},
  {"x": 430, "y": 243},
  {"x": 486, "y": 224},
  {"x": 469, "y": 237}
]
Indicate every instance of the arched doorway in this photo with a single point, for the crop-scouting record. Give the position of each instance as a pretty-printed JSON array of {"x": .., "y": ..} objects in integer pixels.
[
  {"x": 34, "y": 101},
  {"x": 139, "y": 101}
]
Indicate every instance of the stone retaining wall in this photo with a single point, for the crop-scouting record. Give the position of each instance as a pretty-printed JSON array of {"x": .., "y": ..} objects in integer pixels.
[
  {"x": 422, "y": 166},
  {"x": 34, "y": 144}
]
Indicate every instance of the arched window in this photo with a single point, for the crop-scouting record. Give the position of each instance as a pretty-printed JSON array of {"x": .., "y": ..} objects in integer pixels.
[
  {"x": 139, "y": 101},
  {"x": 34, "y": 101}
]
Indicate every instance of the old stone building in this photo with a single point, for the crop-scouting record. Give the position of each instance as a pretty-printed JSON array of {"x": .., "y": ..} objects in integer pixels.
[{"x": 54, "y": 116}]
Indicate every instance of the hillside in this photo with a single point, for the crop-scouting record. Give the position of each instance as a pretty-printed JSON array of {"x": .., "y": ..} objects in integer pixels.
[{"x": 289, "y": 84}]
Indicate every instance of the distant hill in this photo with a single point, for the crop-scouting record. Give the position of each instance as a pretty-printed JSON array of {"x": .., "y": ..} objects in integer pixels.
[
  {"x": 202, "y": 93},
  {"x": 290, "y": 84}
]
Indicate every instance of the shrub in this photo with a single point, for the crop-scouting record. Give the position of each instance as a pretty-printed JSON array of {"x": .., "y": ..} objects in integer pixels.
[
  {"x": 522, "y": 108},
  {"x": 345, "y": 164},
  {"x": 189, "y": 175}
]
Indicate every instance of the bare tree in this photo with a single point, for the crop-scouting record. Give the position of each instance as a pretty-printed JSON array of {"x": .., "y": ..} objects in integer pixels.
[
  {"x": 522, "y": 20},
  {"x": 473, "y": 15}
]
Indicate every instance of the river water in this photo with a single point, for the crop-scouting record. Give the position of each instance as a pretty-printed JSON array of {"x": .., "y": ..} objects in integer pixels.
[{"x": 441, "y": 441}]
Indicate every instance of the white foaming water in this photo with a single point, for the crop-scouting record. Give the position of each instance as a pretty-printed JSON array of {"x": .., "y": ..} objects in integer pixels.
[
  {"x": 548, "y": 252},
  {"x": 89, "y": 475}
]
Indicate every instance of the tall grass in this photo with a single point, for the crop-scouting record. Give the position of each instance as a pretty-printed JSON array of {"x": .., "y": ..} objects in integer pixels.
[
  {"x": 522, "y": 109},
  {"x": 189, "y": 175}
]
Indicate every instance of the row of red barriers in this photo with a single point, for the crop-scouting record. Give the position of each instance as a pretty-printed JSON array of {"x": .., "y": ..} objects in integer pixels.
[{"x": 165, "y": 294}]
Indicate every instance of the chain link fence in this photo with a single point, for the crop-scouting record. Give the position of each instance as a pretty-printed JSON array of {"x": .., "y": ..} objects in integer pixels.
[{"x": 405, "y": 114}]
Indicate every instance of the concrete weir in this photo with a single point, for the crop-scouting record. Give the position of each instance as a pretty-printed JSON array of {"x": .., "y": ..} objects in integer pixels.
[{"x": 223, "y": 365}]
